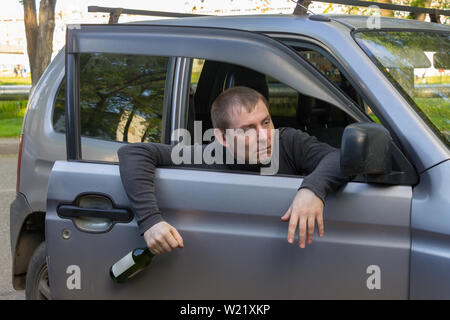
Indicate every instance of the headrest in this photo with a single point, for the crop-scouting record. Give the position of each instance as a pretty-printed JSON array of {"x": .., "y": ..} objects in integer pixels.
[
  {"x": 311, "y": 111},
  {"x": 241, "y": 76}
]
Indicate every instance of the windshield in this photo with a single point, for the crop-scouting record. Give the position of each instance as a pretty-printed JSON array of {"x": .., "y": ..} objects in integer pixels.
[{"x": 418, "y": 63}]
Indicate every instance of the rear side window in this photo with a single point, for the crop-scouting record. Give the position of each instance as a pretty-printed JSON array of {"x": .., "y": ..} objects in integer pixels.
[{"x": 121, "y": 97}]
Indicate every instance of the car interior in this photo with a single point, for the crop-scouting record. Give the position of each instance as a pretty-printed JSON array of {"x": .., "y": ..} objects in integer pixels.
[{"x": 287, "y": 107}]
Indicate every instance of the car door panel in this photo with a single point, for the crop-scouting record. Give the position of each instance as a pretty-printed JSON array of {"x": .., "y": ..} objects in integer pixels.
[{"x": 235, "y": 242}]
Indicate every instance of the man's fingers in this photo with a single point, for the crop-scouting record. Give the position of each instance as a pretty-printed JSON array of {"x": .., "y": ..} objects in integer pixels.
[
  {"x": 154, "y": 251},
  {"x": 286, "y": 216},
  {"x": 170, "y": 239},
  {"x": 302, "y": 232},
  {"x": 177, "y": 237},
  {"x": 162, "y": 238},
  {"x": 311, "y": 225},
  {"x": 320, "y": 225},
  {"x": 292, "y": 226},
  {"x": 154, "y": 247},
  {"x": 161, "y": 241}
]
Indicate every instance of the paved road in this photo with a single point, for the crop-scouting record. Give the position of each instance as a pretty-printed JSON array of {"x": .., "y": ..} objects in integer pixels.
[{"x": 8, "y": 167}]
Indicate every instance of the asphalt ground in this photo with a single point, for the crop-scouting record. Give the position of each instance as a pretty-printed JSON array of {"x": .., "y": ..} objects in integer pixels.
[{"x": 8, "y": 175}]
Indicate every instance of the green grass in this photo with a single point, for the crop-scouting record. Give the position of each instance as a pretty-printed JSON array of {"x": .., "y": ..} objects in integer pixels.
[
  {"x": 12, "y": 109},
  {"x": 433, "y": 80},
  {"x": 5, "y": 81},
  {"x": 10, "y": 128},
  {"x": 437, "y": 110},
  {"x": 11, "y": 117}
]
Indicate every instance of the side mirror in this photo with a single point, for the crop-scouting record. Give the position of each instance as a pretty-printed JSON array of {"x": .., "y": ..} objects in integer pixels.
[{"x": 366, "y": 149}]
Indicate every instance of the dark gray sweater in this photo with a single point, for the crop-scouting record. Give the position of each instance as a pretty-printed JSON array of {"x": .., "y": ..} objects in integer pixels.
[{"x": 299, "y": 154}]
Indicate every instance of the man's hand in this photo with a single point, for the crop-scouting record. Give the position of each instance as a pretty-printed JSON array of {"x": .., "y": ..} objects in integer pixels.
[
  {"x": 162, "y": 238},
  {"x": 305, "y": 209}
]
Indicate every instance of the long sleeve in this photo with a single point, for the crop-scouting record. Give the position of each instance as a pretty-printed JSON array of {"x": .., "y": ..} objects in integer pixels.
[
  {"x": 318, "y": 160},
  {"x": 137, "y": 163}
]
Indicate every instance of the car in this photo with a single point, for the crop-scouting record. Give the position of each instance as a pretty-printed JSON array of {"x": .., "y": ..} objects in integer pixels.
[{"x": 387, "y": 233}]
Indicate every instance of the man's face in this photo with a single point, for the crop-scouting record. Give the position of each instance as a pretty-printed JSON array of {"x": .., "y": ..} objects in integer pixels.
[{"x": 254, "y": 131}]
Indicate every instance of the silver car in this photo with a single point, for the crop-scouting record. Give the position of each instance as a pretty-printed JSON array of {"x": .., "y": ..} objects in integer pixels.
[{"x": 387, "y": 234}]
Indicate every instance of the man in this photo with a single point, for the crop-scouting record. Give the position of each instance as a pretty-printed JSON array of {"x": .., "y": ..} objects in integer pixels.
[{"x": 241, "y": 109}]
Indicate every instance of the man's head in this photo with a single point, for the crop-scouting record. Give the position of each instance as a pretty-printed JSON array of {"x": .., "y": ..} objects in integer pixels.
[{"x": 244, "y": 112}]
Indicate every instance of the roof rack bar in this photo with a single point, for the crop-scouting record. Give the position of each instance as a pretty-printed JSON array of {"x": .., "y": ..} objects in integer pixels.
[
  {"x": 141, "y": 12},
  {"x": 387, "y": 6},
  {"x": 115, "y": 12}
]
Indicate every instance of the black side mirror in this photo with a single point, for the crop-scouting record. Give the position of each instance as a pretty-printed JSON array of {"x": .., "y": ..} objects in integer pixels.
[{"x": 366, "y": 149}]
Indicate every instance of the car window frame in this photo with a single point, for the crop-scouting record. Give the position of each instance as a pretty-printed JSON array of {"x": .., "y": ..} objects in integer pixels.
[
  {"x": 166, "y": 120},
  {"x": 291, "y": 67},
  {"x": 313, "y": 44},
  {"x": 83, "y": 38},
  {"x": 309, "y": 43}
]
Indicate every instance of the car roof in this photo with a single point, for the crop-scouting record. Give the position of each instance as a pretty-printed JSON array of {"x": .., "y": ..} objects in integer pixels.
[
  {"x": 360, "y": 22},
  {"x": 296, "y": 23}
]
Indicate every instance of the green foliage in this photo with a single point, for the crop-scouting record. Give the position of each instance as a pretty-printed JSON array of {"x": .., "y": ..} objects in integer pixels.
[
  {"x": 10, "y": 127},
  {"x": 437, "y": 110},
  {"x": 419, "y": 3},
  {"x": 398, "y": 55},
  {"x": 114, "y": 90},
  {"x": 12, "y": 109}
]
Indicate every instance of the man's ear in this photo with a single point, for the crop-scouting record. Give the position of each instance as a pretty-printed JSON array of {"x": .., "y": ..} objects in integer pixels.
[{"x": 220, "y": 136}]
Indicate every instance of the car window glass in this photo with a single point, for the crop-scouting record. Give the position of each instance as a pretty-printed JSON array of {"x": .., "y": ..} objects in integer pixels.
[
  {"x": 197, "y": 66},
  {"x": 121, "y": 97},
  {"x": 287, "y": 107},
  {"x": 332, "y": 72},
  {"x": 418, "y": 65}
]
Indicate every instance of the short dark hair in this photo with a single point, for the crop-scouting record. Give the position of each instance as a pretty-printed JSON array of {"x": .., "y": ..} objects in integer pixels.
[{"x": 244, "y": 97}]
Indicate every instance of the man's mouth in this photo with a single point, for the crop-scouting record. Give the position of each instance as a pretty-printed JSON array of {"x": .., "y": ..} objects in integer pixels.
[{"x": 265, "y": 151}]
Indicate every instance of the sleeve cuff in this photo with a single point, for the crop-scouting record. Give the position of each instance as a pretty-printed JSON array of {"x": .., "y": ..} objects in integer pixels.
[
  {"x": 149, "y": 222},
  {"x": 317, "y": 191}
]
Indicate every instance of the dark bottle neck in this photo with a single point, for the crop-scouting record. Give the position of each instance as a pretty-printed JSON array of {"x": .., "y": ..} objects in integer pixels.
[{"x": 147, "y": 251}]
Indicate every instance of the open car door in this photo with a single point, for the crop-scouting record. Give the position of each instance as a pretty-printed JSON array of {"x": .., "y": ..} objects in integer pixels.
[{"x": 235, "y": 242}]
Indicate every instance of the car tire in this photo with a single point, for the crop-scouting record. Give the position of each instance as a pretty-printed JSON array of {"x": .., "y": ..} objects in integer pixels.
[{"x": 37, "y": 285}]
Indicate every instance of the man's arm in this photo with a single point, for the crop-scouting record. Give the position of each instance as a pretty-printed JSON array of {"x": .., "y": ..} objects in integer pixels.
[
  {"x": 321, "y": 163},
  {"x": 137, "y": 163}
]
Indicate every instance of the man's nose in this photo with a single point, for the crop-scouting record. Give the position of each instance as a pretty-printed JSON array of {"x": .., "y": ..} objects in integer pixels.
[{"x": 262, "y": 134}]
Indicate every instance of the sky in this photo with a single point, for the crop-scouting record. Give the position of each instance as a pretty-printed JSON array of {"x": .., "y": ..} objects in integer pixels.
[{"x": 13, "y": 8}]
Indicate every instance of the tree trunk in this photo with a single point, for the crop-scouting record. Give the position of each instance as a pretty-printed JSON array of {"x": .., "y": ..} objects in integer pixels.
[
  {"x": 31, "y": 31},
  {"x": 419, "y": 3},
  {"x": 300, "y": 10},
  {"x": 384, "y": 12},
  {"x": 39, "y": 37}
]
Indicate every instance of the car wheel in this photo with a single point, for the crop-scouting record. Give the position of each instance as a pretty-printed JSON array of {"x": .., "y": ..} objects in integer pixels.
[{"x": 37, "y": 284}]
